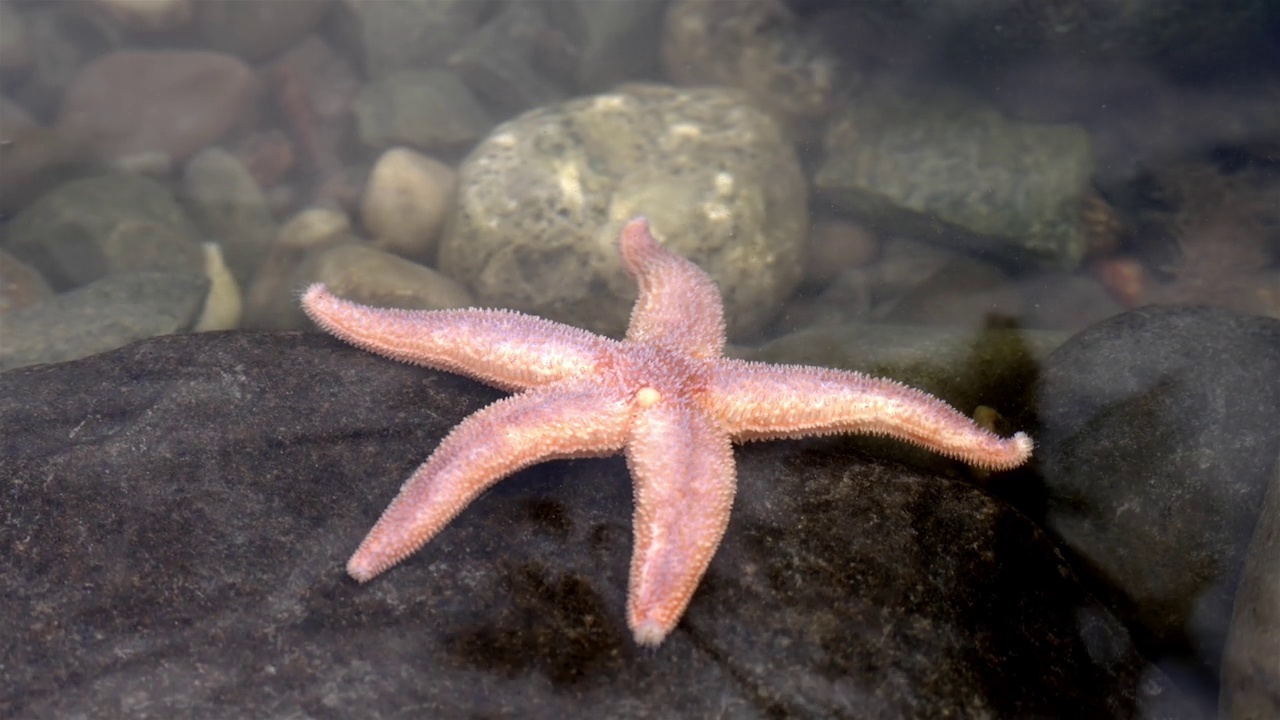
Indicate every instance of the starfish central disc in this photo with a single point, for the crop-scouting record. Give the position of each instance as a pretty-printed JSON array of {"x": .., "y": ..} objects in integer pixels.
[
  {"x": 678, "y": 440},
  {"x": 647, "y": 396}
]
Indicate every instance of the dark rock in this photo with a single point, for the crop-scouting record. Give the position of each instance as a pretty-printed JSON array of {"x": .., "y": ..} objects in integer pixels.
[
  {"x": 1251, "y": 660},
  {"x": 1159, "y": 440},
  {"x": 103, "y": 315},
  {"x": 1179, "y": 38},
  {"x": 177, "y": 514},
  {"x": 96, "y": 226}
]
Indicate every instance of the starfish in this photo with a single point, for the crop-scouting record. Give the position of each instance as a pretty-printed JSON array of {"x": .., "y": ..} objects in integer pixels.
[{"x": 665, "y": 396}]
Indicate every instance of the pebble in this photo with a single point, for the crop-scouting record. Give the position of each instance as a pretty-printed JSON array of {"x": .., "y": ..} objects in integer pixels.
[
  {"x": 271, "y": 301},
  {"x": 373, "y": 277},
  {"x": 406, "y": 202}
]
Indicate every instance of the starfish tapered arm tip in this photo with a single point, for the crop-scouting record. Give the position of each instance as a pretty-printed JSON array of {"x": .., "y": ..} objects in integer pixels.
[
  {"x": 650, "y": 633},
  {"x": 665, "y": 395}
]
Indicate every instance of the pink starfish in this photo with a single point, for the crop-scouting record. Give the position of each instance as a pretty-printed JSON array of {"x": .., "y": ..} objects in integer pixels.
[{"x": 665, "y": 396}]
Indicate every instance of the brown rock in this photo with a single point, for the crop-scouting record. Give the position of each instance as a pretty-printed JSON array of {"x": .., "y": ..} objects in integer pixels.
[{"x": 175, "y": 102}]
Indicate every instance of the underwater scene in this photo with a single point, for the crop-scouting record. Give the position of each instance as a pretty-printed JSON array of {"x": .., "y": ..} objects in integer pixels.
[{"x": 640, "y": 359}]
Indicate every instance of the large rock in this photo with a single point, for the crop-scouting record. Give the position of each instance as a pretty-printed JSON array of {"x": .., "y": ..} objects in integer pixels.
[
  {"x": 542, "y": 199},
  {"x": 1160, "y": 433},
  {"x": 945, "y": 167},
  {"x": 177, "y": 515}
]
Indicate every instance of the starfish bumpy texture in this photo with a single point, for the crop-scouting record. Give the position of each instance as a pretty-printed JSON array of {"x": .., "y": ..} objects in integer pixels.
[{"x": 665, "y": 396}]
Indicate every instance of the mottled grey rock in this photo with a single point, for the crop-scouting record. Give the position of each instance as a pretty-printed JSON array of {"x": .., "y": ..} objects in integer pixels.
[
  {"x": 103, "y": 315},
  {"x": 542, "y": 199},
  {"x": 1251, "y": 660},
  {"x": 97, "y": 226},
  {"x": 1160, "y": 432},
  {"x": 425, "y": 109},
  {"x": 228, "y": 206},
  {"x": 177, "y": 515},
  {"x": 757, "y": 46},
  {"x": 943, "y": 167}
]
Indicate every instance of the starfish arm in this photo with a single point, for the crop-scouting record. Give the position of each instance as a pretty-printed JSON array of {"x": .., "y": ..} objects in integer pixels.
[
  {"x": 511, "y": 434},
  {"x": 682, "y": 465},
  {"x": 506, "y": 349},
  {"x": 679, "y": 306},
  {"x": 756, "y": 401}
]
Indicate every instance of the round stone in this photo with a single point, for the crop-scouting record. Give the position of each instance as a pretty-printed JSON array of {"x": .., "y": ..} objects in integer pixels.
[{"x": 542, "y": 199}]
